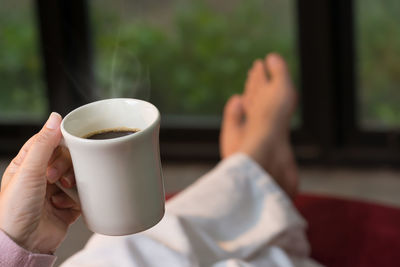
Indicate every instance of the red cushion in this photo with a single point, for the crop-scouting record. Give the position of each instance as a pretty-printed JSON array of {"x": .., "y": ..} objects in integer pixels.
[{"x": 351, "y": 233}]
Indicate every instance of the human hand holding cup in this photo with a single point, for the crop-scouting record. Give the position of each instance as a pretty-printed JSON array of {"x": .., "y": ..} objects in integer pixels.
[{"x": 119, "y": 180}]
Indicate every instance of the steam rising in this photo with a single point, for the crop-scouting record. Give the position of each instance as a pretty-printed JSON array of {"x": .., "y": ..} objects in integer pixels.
[
  {"x": 128, "y": 77},
  {"x": 118, "y": 71},
  {"x": 125, "y": 77}
]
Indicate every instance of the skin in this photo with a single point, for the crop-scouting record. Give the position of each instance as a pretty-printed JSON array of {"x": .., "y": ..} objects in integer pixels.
[
  {"x": 36, "y": 214},
  {"x": 257, "y": 122}
]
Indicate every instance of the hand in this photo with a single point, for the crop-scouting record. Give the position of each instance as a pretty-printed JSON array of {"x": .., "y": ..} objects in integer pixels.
[{"x": 34, "y": 212}]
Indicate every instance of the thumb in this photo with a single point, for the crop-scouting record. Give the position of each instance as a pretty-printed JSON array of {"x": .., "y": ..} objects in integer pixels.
[{"x": 38, "y": 156}]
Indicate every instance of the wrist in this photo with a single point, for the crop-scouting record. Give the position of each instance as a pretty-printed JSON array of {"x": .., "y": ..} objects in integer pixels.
[
  {"x": 26, "y": 242},
  {"x": 36, "y": 245},
  {"x": 12, "y": 254}
]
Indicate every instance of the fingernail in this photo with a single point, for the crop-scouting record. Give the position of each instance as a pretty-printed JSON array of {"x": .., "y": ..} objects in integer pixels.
[
  {"x": 70, "y": 176},
  {"x": 52, "y": 174},
  {"x": 65, "y": 182},
  {"x": 54, "y": 121}
]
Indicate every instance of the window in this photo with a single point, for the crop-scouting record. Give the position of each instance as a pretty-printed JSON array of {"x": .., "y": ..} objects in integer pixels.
[
  {"x": 187, "y": 57},
  {"x": 378, "y": 61},
  {"x": 22, "y": 93}
]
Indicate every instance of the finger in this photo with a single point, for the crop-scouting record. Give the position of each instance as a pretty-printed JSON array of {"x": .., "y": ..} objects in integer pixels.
[
  {"x": 52, "y": 173},
  {"x": 68, "y": 179},
  {"x": 44, "y": 144},
  {"x": 60, "y": 166},
  {"x": 64, "y": 207},
  {"x": 63, "y": 201},
  {"x": 16, "y": 162},
  {"x": 56, "y": 154},
  {"x": 68, "y": 216}
]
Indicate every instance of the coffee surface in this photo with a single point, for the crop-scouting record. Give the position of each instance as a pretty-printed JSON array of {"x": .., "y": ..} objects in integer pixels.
[{"x": 110, "y": 133}]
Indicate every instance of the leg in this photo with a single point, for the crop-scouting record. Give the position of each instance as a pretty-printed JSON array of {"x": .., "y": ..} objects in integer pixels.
[{"x": 257, "y": 123}]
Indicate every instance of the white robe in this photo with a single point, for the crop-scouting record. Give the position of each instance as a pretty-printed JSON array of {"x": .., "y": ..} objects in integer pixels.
[{"x": 235, "y": 215}]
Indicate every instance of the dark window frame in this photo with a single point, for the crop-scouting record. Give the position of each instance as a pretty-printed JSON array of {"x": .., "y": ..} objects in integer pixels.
[
  {"x": 328, "y": 62},
  {"x": 329, "y": 133}
]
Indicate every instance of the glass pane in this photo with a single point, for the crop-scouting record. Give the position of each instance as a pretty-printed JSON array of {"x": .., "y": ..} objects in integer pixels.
[
  {"x": 22, "y": 91},
  {"x": 378, "y": 49},
  {"x": 187, "y": 57}
]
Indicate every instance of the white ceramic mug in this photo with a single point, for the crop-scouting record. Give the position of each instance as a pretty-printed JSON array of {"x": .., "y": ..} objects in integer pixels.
[{"x": 119, "y": 181}]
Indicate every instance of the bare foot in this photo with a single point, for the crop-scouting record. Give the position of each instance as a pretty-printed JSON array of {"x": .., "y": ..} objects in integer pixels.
[{"x": 258, "y": 122}]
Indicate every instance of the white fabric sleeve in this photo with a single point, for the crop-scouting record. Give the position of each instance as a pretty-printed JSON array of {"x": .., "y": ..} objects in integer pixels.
[{"x": 236, "y": 215}]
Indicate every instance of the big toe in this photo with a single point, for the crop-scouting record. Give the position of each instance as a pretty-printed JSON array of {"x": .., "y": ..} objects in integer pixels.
[
  {"x": 277, "y": 67},
  {"x": 232, "y": 130},
  {"x": 282, "y": 87},
  {"x": 233, "y": 113}
]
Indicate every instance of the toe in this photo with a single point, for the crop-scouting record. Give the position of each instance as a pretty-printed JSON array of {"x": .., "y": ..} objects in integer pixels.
[
  {"x": 231, "y": 129},
  {"x": 277, "y": 67},
  {"x": 258, "y": 74},
  {"x": 233, "y": 112},
  {"x": 256, "y": 79}
]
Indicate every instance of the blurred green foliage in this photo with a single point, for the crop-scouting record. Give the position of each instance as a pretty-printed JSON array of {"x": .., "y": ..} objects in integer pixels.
[
  {"x": 378, "y": 49},
  {"x": 200, "y": 58},
  {"x": 193, "y": 60},
  {"x": 21, "y": 86}
]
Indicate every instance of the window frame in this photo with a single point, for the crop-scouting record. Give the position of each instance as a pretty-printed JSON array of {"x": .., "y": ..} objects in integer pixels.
[{"x": 328, "y": 25}]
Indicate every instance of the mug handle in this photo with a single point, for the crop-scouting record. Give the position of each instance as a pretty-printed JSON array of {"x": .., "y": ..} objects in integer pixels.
[{"x": 71, "y": 192}]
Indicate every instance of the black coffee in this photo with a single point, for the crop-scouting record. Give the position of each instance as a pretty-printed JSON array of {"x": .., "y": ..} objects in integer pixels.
[{"x": 110, "y": 133}]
